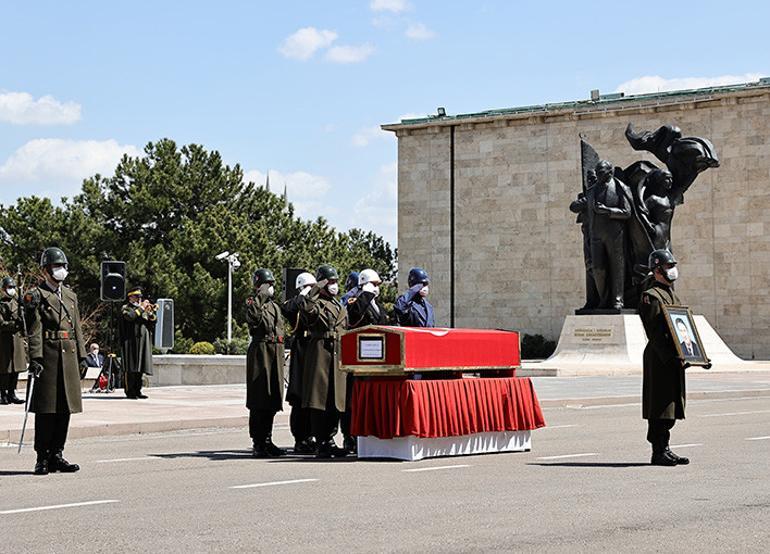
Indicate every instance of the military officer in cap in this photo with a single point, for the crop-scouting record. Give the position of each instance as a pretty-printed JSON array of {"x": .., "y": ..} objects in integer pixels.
[
  {"x": 57, "y": 349},
  {"x": 13, "y": 355},
  {"x": 412, "y": 308},
  {"x": 299, "y": 420},
  {"x": 663, "y": 385},
  {"x": 264, "y": 364},
  {"x": 323, "y": 390},
  {"x": 137, "y": 323}
]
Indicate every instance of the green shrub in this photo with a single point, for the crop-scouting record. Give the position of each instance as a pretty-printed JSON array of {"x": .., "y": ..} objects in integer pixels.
[
  {"x": 182, "y": 345},
  {"x": 203, "y": 349},
  {"x": 536, "y": 347},
  {"x": 238, "y": 345}
]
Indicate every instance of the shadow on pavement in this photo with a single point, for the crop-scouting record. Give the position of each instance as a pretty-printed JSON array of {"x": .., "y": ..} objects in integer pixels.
[
  {"x": 591, "y": 464},
  {"x": 213, "y": 455},
  {"x": 11, "y": 473}
]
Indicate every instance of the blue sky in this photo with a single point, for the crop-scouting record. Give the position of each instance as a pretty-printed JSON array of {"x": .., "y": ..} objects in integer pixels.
[{"x": 299, "y": 88}]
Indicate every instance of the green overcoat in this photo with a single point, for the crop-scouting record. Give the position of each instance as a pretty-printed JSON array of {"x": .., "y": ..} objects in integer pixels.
[
  {"x": 13, "y": 350},
  {"x": 55, "y": 340},
  {"x": 265, "y": 357},
  {"x": 663, "y": 385},
  {"x": 136, "y": 327},
  {"x": 325, "y": 319}
]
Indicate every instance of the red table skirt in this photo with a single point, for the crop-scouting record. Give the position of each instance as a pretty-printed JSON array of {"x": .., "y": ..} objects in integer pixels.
[{"x": 388, "y": 408}]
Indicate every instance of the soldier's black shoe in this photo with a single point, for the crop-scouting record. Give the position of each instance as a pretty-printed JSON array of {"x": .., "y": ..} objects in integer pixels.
[
  {"x": 3, "y": 399},
  {"x": 142, "y": 396},
  {"x": 13, "y": 399},
  {"x": 662, "y": 459},
  {"x": 680, "y": 460},
  {"x": 41, "y": 467},
  {"x": 272, "y": 450},
  {"x": 330, "y": 450},
  {"x": 350, "y": 444},
  {"x": 58, "y": 463},
  {"x": 307, "y": 446},
  {"x": 258, "y": 451}
]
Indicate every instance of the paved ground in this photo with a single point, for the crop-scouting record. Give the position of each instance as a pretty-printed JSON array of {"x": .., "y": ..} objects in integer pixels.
[
  {"x": 585, "y": 487},
  {"x": 196, "y": 407}
]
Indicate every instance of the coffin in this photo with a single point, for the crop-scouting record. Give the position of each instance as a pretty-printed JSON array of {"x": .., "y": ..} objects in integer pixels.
[{"x": 378, "y": 350}]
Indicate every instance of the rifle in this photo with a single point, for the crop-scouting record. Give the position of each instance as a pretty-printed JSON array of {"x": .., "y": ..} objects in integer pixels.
[{"x": 33, "y": 369}]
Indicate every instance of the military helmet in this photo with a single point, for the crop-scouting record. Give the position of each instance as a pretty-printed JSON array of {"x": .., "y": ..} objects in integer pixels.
[
  {"x": 53, "y": 255},
  {"x": 352, "y": 280},
  {"x": 325, "y": 272},
  {"x": 304, "y": 279},
  {"x": 660, "y": 258},
  {"x": 8, "y": 282},
  {"x": 418, "y": 275},
  {"x": 368, "y": 276},
  {"x": 262, "y": 276}
]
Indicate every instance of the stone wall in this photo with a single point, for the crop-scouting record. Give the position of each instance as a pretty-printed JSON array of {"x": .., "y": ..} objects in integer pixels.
[{"x": 518, "y": 250}]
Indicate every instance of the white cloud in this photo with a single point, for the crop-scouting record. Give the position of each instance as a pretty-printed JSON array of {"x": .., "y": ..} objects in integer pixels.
[
  {"x": 349, "y": 54},
  {"x": 61, "y": 164},
  {"x": 655, "y": 83},
  {"x": 304, "y": 43},
  {"x": 377, "y": 210},
  {"x": 368, "y": 134},
  {"x": 394, "y": 6},
  {"x": 307, "y": 192},
  {"x": 21, "y": 108},
  {"x": 419, "y": 31}
]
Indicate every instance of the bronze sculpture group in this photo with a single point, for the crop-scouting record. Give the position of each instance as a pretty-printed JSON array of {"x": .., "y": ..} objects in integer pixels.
[{"x": 626, "y": 213}]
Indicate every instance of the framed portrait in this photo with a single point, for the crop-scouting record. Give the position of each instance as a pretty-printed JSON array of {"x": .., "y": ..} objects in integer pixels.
[{"x": 684, "y": 333}]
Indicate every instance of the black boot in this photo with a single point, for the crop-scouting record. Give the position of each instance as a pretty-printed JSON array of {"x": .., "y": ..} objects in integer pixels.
[
  {"x": 330, "y": 450},
  {"x": 272, "y": 450},
  {"x": 3, "y": 398},
  {"x": 307, "y": 446},
  {"x": 680, "y": 460},
  {"x": 258, "y": 450},
  {"x": 58, "y": 463},
  {"x": 350, "y": 444},
  {"x": 12, "y": 398},
  {"x": 41, "y": 466}
]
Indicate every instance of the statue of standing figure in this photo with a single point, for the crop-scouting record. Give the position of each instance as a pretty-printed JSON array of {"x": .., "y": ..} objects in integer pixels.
[{"x": 627, "y": 213}]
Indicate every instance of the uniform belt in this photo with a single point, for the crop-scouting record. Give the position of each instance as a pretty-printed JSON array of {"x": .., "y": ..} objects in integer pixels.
[
  {"x": 273, "y": 340},
  {"x": 327, "y": 335},
  {"x": 56, "y": 335}
]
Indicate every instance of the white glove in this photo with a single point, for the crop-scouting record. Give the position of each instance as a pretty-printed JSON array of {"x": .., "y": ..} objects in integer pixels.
[
  {"x": 369, "y": 287},
  {"x": 304, "y": 291},
  {"x": 322, "y": 283}
]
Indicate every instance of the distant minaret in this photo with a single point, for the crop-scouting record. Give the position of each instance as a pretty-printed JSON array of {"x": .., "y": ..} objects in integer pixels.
[
  {"x": 267, "y": 181},
  {"x": 285, "y": 196}
]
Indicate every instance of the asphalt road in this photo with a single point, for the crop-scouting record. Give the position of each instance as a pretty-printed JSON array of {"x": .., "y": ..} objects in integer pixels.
[{"x": 585, "y": 487}]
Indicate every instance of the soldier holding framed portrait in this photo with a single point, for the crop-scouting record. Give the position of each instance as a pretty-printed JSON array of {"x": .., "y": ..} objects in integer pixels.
[{"x": 671, "y": 347}]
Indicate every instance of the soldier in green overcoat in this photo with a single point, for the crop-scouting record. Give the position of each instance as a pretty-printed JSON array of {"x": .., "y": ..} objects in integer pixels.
[
  {"x": 137, "y": 323},
  {"x": 663, "y": 386},
  {"x": 13, "y": 355},
  {"x": 264, "y": 364},
  {"x": 323, "y": 389},
  {"x": 57, "y": 349}
]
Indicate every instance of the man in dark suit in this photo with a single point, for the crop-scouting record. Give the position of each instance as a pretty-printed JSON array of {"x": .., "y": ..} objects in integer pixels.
[
  {"x": 93, "y": 359},
  {"x": 690, "y": 348}
]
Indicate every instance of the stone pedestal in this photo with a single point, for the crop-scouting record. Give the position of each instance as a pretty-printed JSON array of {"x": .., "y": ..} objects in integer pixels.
[{"x": 614, "y": 345}]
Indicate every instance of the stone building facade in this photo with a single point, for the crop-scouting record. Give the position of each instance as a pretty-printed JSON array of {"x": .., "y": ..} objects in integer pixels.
[{"x": 510, "y": 176}]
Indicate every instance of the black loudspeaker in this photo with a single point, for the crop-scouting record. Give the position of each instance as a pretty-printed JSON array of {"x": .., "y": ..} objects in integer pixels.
[
  {"x": 113, "y": 281},
  {"x": 290, "y": 281},
  {"x": 164, "y": 327}
]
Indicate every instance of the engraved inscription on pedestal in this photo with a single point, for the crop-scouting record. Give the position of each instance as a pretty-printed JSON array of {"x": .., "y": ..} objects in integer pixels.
[{"x": 593, "y": 334}]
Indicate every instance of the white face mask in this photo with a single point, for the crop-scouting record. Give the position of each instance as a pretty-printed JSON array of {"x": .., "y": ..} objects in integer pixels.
[
  {"x": 60, "y": 273},
  {"x": 267, "y": 288},
  {"x": 672, "y": 273},
  {"x": 10, "y": 292},
  {"x": 333, "y": 289},
  {"x": 376, "y": 291},
  {"x": 424, "y": 291}
]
